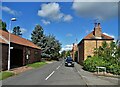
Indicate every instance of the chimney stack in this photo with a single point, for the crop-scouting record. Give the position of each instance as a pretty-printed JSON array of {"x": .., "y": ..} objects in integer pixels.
[{"x": 97, "y": 30}]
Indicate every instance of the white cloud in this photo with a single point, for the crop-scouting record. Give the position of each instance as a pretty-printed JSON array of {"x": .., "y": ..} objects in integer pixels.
[
  {"x": 23, "y": 30},
  {"x": 9, "y": 10},
  {"x": 52, "y": 12},
  {"x": 100, "y": 10},
  {"x": 67, "y": 47},
  {"x": 69, "y": 35},
  {"x": 67, "y": 18},
  {"x": 45, "y": 22},
  {"x": 109, "y": 35},
  {"x": 96, "y": 0}
]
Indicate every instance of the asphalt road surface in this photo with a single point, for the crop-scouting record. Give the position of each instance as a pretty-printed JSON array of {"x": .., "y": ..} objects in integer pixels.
[{"x": 51, "y": 74}]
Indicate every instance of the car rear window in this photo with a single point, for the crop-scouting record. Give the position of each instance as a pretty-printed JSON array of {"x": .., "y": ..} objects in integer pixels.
[{"x": 69, "y": 59}]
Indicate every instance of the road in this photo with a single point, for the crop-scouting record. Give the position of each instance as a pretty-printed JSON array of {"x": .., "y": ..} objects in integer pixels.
[
  {"x": 57, "y": 74},
  {"x": 51, "y": 74}
]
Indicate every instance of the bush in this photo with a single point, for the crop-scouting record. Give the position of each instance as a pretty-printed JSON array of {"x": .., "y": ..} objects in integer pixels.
[
  {"x": 90, "y": 64},
  {"x": 114, "y": 68}
]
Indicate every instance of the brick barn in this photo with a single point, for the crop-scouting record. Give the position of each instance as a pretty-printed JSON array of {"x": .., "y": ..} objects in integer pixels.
[
  {"x": 23, "y": 52},
  {"x": 93, "y": 40}
]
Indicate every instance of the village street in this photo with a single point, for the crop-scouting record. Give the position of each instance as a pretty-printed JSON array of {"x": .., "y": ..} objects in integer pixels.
[{"x": 57, "y": 74}]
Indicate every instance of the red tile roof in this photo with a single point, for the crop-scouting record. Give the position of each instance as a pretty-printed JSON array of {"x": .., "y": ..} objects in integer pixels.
[
  {"x": 2, "y": 41},
  {"x": 16, "y": 39},
  {"x": 91, "y": 36}
]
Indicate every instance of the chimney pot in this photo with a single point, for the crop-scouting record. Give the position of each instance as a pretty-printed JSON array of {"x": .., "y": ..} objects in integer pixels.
[
  {"x": 95, "y": 24},
  {"x": 98, "y": 24}
]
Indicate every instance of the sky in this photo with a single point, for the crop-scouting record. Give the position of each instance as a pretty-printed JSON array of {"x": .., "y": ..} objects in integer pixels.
[{"x": 69, "y": 22}]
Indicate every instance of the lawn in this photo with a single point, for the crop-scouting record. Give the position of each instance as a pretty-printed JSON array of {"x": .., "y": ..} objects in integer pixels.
[
  {"x": 37, "y": 64},
  {"x": 5, "y": 74}
]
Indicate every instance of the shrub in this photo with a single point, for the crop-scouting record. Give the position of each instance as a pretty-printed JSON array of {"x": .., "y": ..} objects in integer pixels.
[
  {"x": 114, "y": 68},
  {"x": 90, "y": 64}
]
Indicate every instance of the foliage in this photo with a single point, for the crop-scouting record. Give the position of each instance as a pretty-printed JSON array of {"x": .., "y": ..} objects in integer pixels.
[
  {"x": 68, "y": 53},
  {"x": 4, "y": 75},
  {"x": 49, "y": 44},
  {"x": 65, "y": 54},
  {"x": 76, "y": 54},
  {"x": 17, "y": 31},
  {"x": 37, "y": 64},
  {"x": 106, "y": 55},
  {"x": 3, "y": 25},
  {"x": 90, "y": 64}
]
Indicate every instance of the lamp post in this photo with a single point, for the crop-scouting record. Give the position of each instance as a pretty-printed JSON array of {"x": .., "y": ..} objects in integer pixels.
[{"x": 12, "y": 19}]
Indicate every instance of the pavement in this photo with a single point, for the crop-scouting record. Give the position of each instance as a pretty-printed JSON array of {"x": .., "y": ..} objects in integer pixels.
[
  {"x": 92, "y": 79},
  {"x": 57, "y": 74}
]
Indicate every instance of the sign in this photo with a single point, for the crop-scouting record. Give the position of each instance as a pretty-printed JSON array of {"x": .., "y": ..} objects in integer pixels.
[{"x": 11, "y": 47}]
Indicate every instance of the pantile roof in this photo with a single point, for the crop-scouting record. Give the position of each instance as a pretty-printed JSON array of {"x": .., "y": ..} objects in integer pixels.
[{"x": 16, "y": 39}]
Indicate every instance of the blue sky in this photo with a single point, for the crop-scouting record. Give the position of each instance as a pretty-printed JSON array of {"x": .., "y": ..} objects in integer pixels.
[{"x": 68, "y": 21}]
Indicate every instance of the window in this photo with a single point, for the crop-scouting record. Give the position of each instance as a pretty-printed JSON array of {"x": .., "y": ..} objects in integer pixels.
[{"x": 89, "y": 56}]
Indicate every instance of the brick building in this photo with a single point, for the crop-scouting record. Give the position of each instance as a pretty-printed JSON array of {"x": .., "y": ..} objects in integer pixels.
[
  {"x": 93, "y": 40},
  {"x": 23, "y": 52},
  {"x": 73, "y": 52}
]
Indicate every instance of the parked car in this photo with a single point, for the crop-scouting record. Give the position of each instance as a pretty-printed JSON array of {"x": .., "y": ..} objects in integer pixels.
[{"x": 69, "y": 62}]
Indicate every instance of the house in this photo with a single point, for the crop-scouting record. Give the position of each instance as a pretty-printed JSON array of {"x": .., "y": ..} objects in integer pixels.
[
  {"x": 93, "y": 40},
  {"x": 23, "y": 52},
  {"x": 73, "y": 52}
]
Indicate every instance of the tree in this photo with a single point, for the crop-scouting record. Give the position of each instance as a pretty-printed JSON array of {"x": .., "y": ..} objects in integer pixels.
[
  {"x": 50, "y": 46},
  {"x": 67, "y": 53},
  {"x": 3, "y": 25},
  {"x": 39, "y": 38},
  {"x": 53, "y": 46},
  {"x": 17, "y": 31},
  {"x": 37, "y": 35},
  {"x": 63, "y": 53}
]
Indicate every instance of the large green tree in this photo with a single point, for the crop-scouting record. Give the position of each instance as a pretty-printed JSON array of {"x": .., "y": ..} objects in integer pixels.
[
  {"x": 49, "y": 44},
  {"x": 38, "y": 36},
  {"x": 3, "y": 25},
  {"x": 53, "y": 46},
  {"x": 17, "y": 31}
]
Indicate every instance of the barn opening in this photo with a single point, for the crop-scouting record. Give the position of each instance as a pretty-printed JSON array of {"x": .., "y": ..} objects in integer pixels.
[{"x": 16, "y": 58}]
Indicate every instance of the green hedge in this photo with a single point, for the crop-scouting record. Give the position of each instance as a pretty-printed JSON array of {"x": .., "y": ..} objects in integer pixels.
[{"x": 91, "y": 63}]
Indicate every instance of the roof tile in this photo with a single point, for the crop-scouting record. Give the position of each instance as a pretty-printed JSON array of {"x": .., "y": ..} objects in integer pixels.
[{"x": 17, "y": 40}]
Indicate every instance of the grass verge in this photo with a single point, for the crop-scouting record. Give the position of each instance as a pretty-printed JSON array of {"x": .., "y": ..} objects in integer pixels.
[
  {"x": 37, "y": 64},
  {"x": 5, "y": 74}
]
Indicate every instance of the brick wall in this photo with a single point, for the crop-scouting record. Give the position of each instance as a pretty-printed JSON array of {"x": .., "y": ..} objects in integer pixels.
[
  {"x": 89, "y": 46},
  {"x": 32, "y": 57},
  {"x": 74, "y": 49},
  {"x": 4, "y": 56},
  {"x": 81, "y": 52}
]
